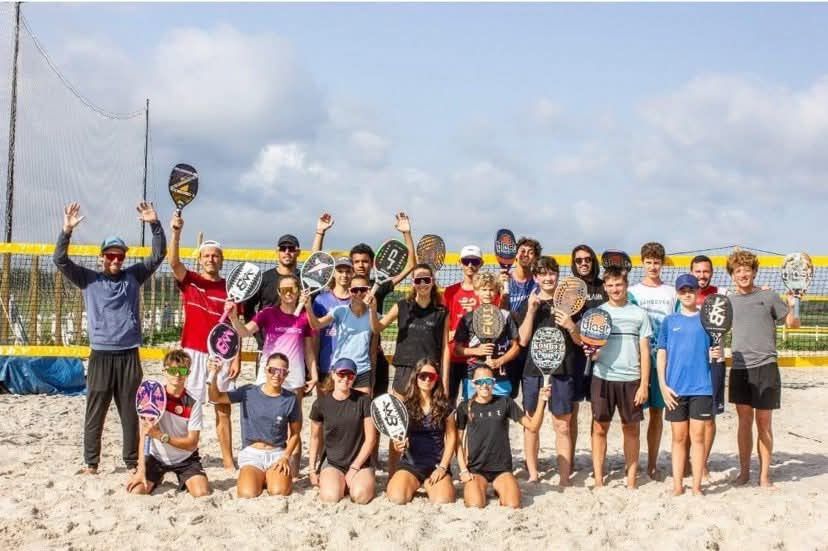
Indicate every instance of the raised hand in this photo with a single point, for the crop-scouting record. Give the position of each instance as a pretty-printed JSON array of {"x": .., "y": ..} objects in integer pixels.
[
  {"x": 324, "y": 223},
  {"x": 146, "y": 212},
  {"x": 403, "y": 224},
  {"x": 176, "y": 223},
  {"x": 71, "y": 216}
]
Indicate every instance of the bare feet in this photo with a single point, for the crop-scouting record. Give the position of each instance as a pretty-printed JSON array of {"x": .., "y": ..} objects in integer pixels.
[
  {"x": 706, "y": 475},
  {"x": 678, "y": 490},
  {"x": 698, "y": 492},
  {"x": 655, "y": 474},
  {"x": 742, "y": 479},
  {"x": 767, "y": 484},
  {"x": 89, "y": 469}
]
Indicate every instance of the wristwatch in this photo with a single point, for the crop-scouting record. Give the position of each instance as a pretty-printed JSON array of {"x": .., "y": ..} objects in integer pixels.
[{"x": 165, "y": 438}]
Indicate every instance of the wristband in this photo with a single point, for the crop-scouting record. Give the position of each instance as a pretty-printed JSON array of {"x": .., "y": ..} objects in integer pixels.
[
  {"x": 438, "y": 466},
  {"x": 464, "y": 471}
]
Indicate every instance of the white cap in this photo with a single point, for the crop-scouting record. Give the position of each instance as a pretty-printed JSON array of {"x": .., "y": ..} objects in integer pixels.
[
  {"x": 471, "y": 251},
  {"x": 210, "y": 243}
]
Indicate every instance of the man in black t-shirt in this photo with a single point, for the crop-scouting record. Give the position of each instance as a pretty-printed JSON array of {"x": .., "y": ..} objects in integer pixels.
[
  {"x": 362, "y": 257},
  {"x": 485, "y": 455}
]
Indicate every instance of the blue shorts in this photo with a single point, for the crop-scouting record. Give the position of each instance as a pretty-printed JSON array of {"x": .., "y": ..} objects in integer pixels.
[
  {"x": 531, "y": 389},
  {"x": 654, "y": 399},
  {"x": 566, "y": 391}
]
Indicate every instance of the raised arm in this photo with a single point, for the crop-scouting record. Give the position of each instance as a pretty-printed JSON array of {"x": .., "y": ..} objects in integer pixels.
[
  {"x": 78, "y": 275},
  {"x": 323, "y": 224},
  {"x": 145, "y": 268},
  {"x": 403, "y": 225},
  {"x": 243, "y": 329},
  {"x": 178, "y": 269}
]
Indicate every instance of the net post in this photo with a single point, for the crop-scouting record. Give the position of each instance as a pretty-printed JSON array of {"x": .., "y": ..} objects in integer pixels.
[
  {"x": 34, "y": 300},
  {"x": 12, "y": 128},
  {"x": 5, "y": 319},
  {"x": 58, "y": 308},
  {"x": 146, "y": 155}
]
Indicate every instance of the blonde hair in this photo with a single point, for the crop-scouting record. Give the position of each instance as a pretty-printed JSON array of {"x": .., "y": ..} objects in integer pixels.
[
  {"x": 486, "y": 279},
  {"x": 742, "y": 258}
]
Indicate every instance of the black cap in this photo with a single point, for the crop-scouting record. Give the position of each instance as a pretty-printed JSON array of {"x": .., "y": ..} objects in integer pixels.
[{"x": 288, "y": 240}]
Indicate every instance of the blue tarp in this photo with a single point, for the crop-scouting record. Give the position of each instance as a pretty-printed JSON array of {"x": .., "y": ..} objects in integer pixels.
[{"x": 42, "y": 375}]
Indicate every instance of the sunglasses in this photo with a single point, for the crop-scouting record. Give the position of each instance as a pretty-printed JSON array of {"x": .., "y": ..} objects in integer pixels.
[
  {"x": 277, "y": 371},
  {"x": 427, "y": 376},
  {"x": 583, "y": 260},
  {"x": 350, "y": 375},
  {"x": 358, "y": 290},
  {"x": 178, "y": 371},
  {"x": 288, "y": 290},
  {"x": 471, "y": 261},
  {"x": 488, "y": 381},
  {"x": 112, "y": 257},
  {"x": 424, "y": 280},
  {"x": 287, "y": 249}
]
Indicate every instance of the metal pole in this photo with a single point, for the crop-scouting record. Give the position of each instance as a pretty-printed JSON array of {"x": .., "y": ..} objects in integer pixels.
[
  {"x": 146, "y": 154},
  {"x": 12, "y": 126}
]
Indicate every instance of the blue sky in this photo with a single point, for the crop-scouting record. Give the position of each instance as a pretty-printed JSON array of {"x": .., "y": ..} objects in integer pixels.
[{"x": 697, "y": 125}]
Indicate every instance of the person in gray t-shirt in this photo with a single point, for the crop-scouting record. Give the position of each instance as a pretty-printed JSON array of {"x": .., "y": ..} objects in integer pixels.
[{"x": 755, "y": 382}]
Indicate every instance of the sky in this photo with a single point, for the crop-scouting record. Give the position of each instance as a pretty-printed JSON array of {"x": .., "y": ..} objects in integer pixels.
[{"x": 696, "y": 125}]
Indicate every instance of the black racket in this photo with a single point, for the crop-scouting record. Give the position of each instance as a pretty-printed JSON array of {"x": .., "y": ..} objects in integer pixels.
[
  {"x": 431, "y": 250},
  {"x": 223, "y": 342},
  {"x": 315, "y": 275},
  {"x": 183, "y": 185},
  {"x": 390, "y": 261},
  {"x": 505, "y": 248},
  {"x": 548, "y": 348},
  {"x": 717, "y": 318},
  {"x": 616, "y": 259}
]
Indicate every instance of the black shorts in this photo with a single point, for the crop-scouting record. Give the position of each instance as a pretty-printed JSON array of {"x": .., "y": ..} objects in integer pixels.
[
  {"x": 420, "y": 474},
  {"x": 514, "y": 370},
  {"x": 490, "y": 476},
  {"x": 717, "y": 375},
  {"x": 185, "y": 470},
  {"x": 757, "y": 387},
  {"x": 531, "y": 390},
  {"x": 362, "y": 380},
  {"x": 380, "y": 373},
  {"x": 566, "y": 391},
  {"x": 609, "y": 395},
  {"x": 402, "y": 378},
  {"x": 691, "y": 407}
]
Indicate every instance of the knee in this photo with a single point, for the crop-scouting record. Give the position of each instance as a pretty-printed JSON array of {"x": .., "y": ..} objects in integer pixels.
[
  {"x": 247, "y": 493},
  {"x": 200, "y": 491},
  {"x": 512, "y": 502},
  {"x": 362, "y": 496},
  {"x": 329, "y": 496},
  {"x": 397, "y": 496},
  {"x": 441, "y": 499},
  {"x": 280, "y": 490}
]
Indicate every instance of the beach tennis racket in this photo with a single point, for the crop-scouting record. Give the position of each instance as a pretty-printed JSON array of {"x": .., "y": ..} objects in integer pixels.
[
  {"x": 315, "y": 275},
  {"x": 390, "y": 261},
  {"x": 505, "y": 248},
  {"x": 616, "y": 259},
  {"x": 242, "y": 283},
  {"x": 595, "y": 329},
  {"x": 150, "y": 403},
  {"x": 391, "y": 418},
  {"x": 223, "y": 342},
  {"x": 570, "y": 295},
  {"x": 431, "y": 250},
  {"x": 548, "y": 348},
  {"x": 797, "y": 274},
  {"x": 717, "y": 318},
  {"x": 488, "y": 324},
  {"x": 183, "y": 185}
]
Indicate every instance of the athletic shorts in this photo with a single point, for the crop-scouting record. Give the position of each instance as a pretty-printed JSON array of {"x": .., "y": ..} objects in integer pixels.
[
  {"x": 184, "y": 471},
  {"x": 699, "y": 408},
  {"x": 515, "y": 371},
  {"x": 757, "y": 387},
  {"x": 259, "y": 458},
  {"x": 420, "y": 474},
  {"x": 566, "y": 390},
  {"x": 490, "y": 476},
  {"x": 362, "y": 380},
  {"x": 199, "y": 376},
  {"x": 654, "y": 397},
  {"x": 609, "y": 395},
  {"x": 531, "y": 390},
  {"x": 341, "y": 468},
  {"x": 717, "y": 376},
  {"x": 402, "y": 378}
]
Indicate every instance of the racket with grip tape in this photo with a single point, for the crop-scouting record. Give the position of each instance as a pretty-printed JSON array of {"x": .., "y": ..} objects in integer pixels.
[
  {"x": 150, "y": 404},
  {"x": 183, "y": 185},
  {"x": 390, "y": 261},
  {"x": 797, "y": 274},
  {"x": 315, "y": 275},
  {"x": 505, "y": 248},
  {"x": 391, "y": 419},
  {"x": 595, "y": 328},
  {"x": 431, "y": 250}
]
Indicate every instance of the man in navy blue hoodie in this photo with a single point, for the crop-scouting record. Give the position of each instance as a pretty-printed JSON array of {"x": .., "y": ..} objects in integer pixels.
[{"x": 114, "y": 326}]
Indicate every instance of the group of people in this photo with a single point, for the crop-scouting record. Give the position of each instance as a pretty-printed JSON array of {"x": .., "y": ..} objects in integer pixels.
[{"x": 657, "y": 357}]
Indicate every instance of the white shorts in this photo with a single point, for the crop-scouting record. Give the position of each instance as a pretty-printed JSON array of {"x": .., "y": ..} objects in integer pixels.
[
  {"x": 261, "y": 459},
  {"x": 199, "y": 376}
]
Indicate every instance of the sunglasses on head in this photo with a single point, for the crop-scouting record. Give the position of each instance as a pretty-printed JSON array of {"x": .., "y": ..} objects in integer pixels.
[
  {"x": 112, "y": 257},
  {"x": 350, "y": 375},
  {"x": 358, "y": 290},
  {"x": 487, "y": 381},
  {"x": 427, "y": 376},
  {"x": 178, "y": 370},
  {"x": 423, "y": 280},
  {"x": 472, "y": 261},
  {"x": 277, "y": 371},
  {"x": 287, "y": 249},
  {"x": 288, "y": 290},
  {"x": 583, "y": 260}
]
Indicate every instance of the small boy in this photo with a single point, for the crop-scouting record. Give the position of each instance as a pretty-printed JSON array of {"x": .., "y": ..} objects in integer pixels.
[
  {"x": 174, "y": 444},
  {"x": 683, "y": 363},
  {"x": 503, "y": 351}
]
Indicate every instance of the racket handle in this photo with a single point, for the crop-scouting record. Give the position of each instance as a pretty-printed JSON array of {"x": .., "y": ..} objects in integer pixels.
[
  {"x": 375, "y": 287},
  {"x": 796, "y": 306},
  {"x": 147, "y": 441},
  {"x": 299, "y": 307},
  {"x": 223, "y": 317},
  {"x": 178, "y": 212},
  {"x": 588, "y": 368}
]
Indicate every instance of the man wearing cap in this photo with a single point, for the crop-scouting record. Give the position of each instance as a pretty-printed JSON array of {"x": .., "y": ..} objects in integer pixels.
[
  {"x": 324, "y": 302},
  {"x": 203, "y": 295},
  {"x": 112, "y": 312},
  {"x": 683, "y": 366},
  {"x": 460, "y": 299}
]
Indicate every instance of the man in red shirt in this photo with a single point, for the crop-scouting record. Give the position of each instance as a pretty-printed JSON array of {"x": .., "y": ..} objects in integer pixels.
[
  {"x": 203, "y": 295},
  {"x": 460, "y": 299}
]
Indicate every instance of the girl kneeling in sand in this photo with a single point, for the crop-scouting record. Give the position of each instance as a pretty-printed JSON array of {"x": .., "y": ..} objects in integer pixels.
[
  {"x": 268, "y": 410},
  {"x": 432, "y": 439},
  {"x": 343, "y": 416},
  {"x": 485, "y": 454}
]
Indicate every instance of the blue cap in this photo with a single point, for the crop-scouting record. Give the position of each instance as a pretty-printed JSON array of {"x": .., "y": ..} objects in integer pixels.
[
  {"x": 687, "y": 280},
  {"x": 113, "y": 241},
  {"x": 344, "y": 364}
]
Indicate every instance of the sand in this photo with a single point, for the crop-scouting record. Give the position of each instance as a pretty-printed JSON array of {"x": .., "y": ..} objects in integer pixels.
[{"x": 45, "y": 504}]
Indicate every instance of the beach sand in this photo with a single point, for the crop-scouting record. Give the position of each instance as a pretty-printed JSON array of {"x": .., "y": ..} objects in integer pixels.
[{"x": 45, "y": 504}]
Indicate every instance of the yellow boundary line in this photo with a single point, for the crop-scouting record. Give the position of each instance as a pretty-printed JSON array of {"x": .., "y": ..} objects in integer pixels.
[
  {"x": 269, "y": 255},
  {"x": 157, "y": 354}
]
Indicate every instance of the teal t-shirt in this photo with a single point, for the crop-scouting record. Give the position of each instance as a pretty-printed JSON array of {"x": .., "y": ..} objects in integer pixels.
[
  {"x": 620, "y": 358},
  {"x": 353, "y": 337}
]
